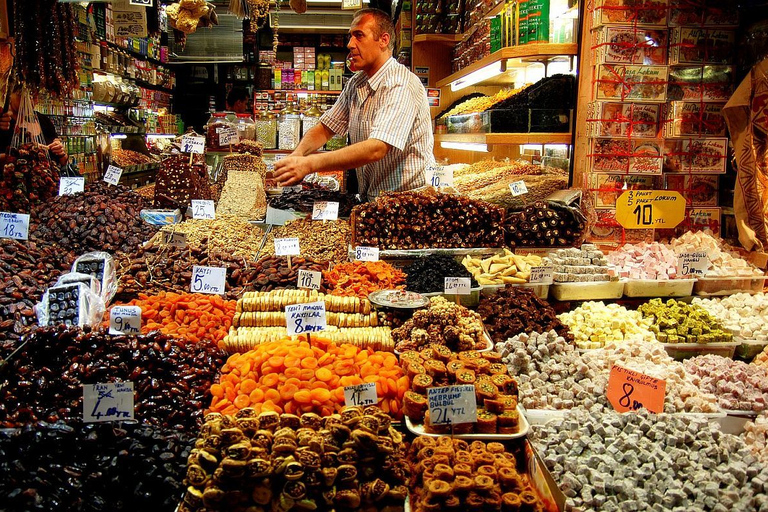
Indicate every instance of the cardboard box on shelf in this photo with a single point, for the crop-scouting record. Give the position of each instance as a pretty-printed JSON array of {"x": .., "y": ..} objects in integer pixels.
[
  {"x": 688, "y": 118},
  {"x": 697, "y": 45},
  {"x": 630, "y": 12},
  {"x": 697, "y": 189},
  {"x": 631, "y": 45},
  {"x": 624, "y": 120},
  {"x": 627, "y": 82},
  {"x": 608, "y": 187},
  {"x": 694, "y": 155},
  {"x": 629, "y": 156}
]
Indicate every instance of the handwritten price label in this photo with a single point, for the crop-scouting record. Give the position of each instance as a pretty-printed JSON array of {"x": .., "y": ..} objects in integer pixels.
[
  {"x": 70, "y": 186},
  {"x": 325, "y": 210},
  {"x": 125, "y": 320},
  {"x": 518, "y": 188},
  {"x": 458, "y": 286},
  {"x": 203, "y": 209},
  {"x": 363, "y": 253},
  {"x": 191, "y": 144},
  {"x": 629, "y": 390},
  {"x": 309, "y": 279},
  {"x": 113, "y": 174},
  {"x": 287, "y": 247},
  {"x": 228, "y": 136},
  {"x": 361, "y": 395},
  {"x": 175, "y": 239},
  {"x": 301, "y": 318},
  {"x": 211, "y": 280},
  {"x": 541, "y": 275},
  {"x": 450, "y": 405},
  {"x": 693, "y": 263},
  {"x": 111, "y": 401},
  {"x": 14, "y": 225},
  {"x": 439, "y": 176}
]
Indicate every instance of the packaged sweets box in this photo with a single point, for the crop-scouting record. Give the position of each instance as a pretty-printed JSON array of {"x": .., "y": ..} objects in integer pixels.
[
  {"x": 619, "y": 119},
  {"x": 697, "y": 189},
  {"x": 694, "y": 155},
  {"x": 688, "y": 118},
  {"x": 628, "y": 156},
  {"x": 688, "y": 45},
  {"x": 630, "y": 12},
  {"x": 627, "y": 82},
  {"x": 608, "y": 187},
  {"x": 630, "y": 45},
  {"x": 702, "y": 13},
  {"x": 700, "y": 83},
  {"x": 696, "y": 219}
]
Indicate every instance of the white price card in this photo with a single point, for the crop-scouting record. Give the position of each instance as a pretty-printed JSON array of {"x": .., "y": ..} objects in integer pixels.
[
  {"x": 228, "y": 136},
  {"x": 302, "y": 318},
  {"x": 192, "y": 144},
  {"x": 175, "y": 239},
  {"x": 287, "y": 247},
  {"x": 325, "y": 210},
  {"x": 518, "y": 188},
  {"x": 14, "y": 225},
  {"x": 291, "y": 188},
  {"x": 279, "y": 157},
  {"x": 450, "y": 405},
  {"x": 439, "y": 176},
  {"x": 541, "y": 275},
  {"x": 125, "y": 320},
  {"x": 211, "y": 280},
  {"x": 309, "y": 279},
  {"x": 693, "y": 263},
  {"x": 361, "y": 395},
  {"x": 363, "y": 253},
  {"x": 458, "y": 286},
  {"x": 69, "y": 186},
  {"x": 203, "y": 209},
  {"x": 109, "y": 401},
  {"x": 112, "y": 176}
]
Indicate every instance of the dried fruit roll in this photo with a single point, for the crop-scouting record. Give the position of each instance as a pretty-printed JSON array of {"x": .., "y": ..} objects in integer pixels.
[
  {"x": 277, "y": 300},
  {"x": 242, "y": 339}
]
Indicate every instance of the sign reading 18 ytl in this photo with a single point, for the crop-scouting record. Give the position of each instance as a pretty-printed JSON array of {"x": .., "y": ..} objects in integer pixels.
[{"x": 649, "y": 209}]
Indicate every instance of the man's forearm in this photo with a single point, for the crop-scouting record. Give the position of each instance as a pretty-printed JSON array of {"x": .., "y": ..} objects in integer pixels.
[
  {"x": 350, "y": 157},
  {"x": 313, "y": 140}
]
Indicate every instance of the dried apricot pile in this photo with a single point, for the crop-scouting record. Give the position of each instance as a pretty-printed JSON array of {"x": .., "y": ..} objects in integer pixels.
[{"x": 359, "y": 278}]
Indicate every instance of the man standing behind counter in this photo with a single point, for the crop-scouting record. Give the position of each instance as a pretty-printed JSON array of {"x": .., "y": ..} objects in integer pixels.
[{"x": 385, "y": 111}]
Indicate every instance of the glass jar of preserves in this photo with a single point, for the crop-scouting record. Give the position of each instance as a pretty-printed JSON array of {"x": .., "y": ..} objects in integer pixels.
[
  {"x": 212, "y": 129},
  {"x": 246, "y": 128},
  {"x": 266, "y": 129}
]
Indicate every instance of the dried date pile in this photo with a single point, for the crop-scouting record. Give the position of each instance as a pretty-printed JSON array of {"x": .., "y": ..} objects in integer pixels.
[
  {"x": 272, "y": 272},
  {"x": 419, "y": 220},
  {"x": 171, "y": 378},
  {"x": 304, "y": 200},
  {"x": 427, "y": 275},
  {"x": 96, "y": 467},
  {"x": 102, "y": 218},
  {"x": 544, "y": 224},
  {"x": 514, "y": 310},
  {"x": 28, "y": 179}
]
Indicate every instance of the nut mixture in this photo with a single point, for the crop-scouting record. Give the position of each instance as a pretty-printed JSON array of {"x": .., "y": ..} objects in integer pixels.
[
  {"x": 444, "y": 323},
  {"x": 326, "y": 241}
]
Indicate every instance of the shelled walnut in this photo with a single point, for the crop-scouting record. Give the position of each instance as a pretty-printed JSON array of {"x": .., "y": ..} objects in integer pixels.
[{"x": 425, "y": 219}]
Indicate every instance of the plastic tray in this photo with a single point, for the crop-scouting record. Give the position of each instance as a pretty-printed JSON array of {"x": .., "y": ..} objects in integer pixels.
[
  {"x": 587, "y": 291},
  {"x": 543, "y": 416},
  {"x": 680, "y": 351},
  {"x": 541, "y": 290},
  {"x": 653, "y": 288},
  {"x": 418, "y": 429},
  {"x": 712, "y": 286},
  {"x": 748, "y": 349},
  {"x": 468, "y": 301}
]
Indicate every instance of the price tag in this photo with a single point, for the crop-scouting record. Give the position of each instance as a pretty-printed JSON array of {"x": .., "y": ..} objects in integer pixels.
[
  {"x": 439, "y": 176},
  {"x": 629, "y": 390},
  {"x": 541, "y": 275},
  {"x": 287, "y": 247},
  {"x": 292, "y": 188},
  {"x": 14, "y": 225},
  {"x": 363, "y": 253},
  {"x": 110, "y": 401},
  {"x": 112, "y": 176},
  {"x": 458, "y": 286},
  {"x": 228, "y": 136},
  {"x": 211, "y": 280},
  {"x": 301, "y": 318},
  {"x": 450, "y": 405},
  {"x": 279, "y": 157},
  {"x": 361, "y": 395},
  {"x": 203, "y": 209},
  {"x": 325, "y": 210},
  {"x": 125, "y": 320},
  {"x": 191, "y": 144},
  {"x": 693, "y": 263},
  {"x": 650, "y": 209},
  {"x": 175, "y": 239},
  {"x": 518, "y": 188},
  {"x": 69, "y": 186},
  {"x": 309, "y": 279}
]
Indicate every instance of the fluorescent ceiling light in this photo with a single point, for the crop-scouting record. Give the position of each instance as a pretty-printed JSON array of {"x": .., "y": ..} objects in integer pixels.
[
  {"x": 161, "y": 136},
  {"x": 119, "y": 136},
  {"x": 482, "y": 74},
  {"x": 465, "y": 146}
]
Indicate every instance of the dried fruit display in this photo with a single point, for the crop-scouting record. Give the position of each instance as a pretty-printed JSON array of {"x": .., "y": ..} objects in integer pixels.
[
  {"x": 515, "y": 310},
  {"x": 304, "y": 200},
  {"x": 227, "y": 233},
  {"x": 326, "y": 242},
  {"x": 103, "y": 218},
  {"x": 354, "y": 460},
  {"x": 360, "y": 278},
  {"x": 445, "y": 323},
  {"x": 544, "y": 224},
  {"x": 427, "y": 219},
  {"x": 127, "y": 157},
  {"x": 28, "y": 179},
  {"x": 427, "y": 275},
  {"x": 171, "y": 378}
]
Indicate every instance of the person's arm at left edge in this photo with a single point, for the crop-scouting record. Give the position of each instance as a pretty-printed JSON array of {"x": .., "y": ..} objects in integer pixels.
[{"x": 55, "y": 146}]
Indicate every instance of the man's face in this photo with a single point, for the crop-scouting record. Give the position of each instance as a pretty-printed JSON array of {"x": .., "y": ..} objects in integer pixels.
[
  {"x": 365, "y": 52},
  {"x": 240, "y": 106}
]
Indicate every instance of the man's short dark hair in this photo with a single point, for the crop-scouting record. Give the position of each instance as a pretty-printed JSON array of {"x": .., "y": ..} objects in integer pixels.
[
  {"x": 382, "y": 24},
  {"x": 235, "y": 95}
]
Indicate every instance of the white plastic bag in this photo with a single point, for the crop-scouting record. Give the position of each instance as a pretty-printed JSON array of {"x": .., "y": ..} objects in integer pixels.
[
  {"x": 101, "y": 265},
  {"x": 76, "y": 277},
  {"x": 72, "y": 304}
]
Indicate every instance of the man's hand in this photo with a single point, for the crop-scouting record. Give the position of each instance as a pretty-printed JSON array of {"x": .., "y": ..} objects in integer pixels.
[
  {"x": 5, "y": 121},
  {"x": 58, "y": 150},
  {"x": 291, "y": 170}
]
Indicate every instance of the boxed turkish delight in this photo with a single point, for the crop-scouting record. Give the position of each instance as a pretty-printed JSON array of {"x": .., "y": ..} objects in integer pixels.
[
  {"x": 702, "y": 13},
  {"x": 626, "y": 120},
  {"x": 697, "y": 189},
  {"x": 700, "y": 156},
  {"x": 629, "y": 82},
  {"x": 700, "y": 83},
  {"x": 630, "y": 156},
  {"x": 631, "y": 45},
  {"x": 632, "y": 12},
  {"x": 698, "y": 45},
  {"x": 608, "y": 187},
  {"x": 688, "y": 118}
]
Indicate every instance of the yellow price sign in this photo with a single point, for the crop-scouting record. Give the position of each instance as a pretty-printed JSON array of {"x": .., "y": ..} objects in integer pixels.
[{"x": 649, "y": 209}]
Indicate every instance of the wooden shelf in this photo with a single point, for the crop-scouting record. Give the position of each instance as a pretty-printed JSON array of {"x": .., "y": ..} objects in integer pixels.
[
  {"x": 449, "y": 39},
  {"x": 297, "y": 91},
  {"x": 505, "y": 138},
  {"x": 537, "y": 52}
]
